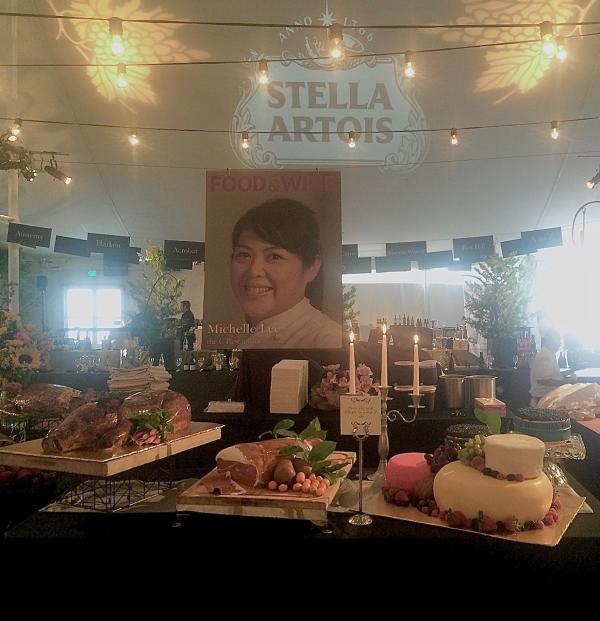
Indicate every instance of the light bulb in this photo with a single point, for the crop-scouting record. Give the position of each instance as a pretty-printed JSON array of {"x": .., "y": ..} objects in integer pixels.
[
  {"x": 351, "y": 140},
  {"x": 548, "y": 40},
  {"x": 12, "y": 138},
  {"x": 336, "y": 36},
  {"x": 591, "y": 184},
  {"x": 15, "y": 129},
  {"x": 561, "y": 49},
  {"x": 122, "y": 76},
  {"x": 409, "y": 66},
  {"x": 554, "y": 131},
  {"x": 454, "y": 135},
  {"x": 263, "y": 71},
  {"x": 67, "y": 180},
  {"x": 115, "y": 29},
  {"x": 133, "y": 139},
  {"x": 245, "y": 140}
]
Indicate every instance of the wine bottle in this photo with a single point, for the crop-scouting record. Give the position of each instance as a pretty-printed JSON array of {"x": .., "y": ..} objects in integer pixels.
[
  {"x": 451, "y": 363},
  {"x": 481, "y": 360}
]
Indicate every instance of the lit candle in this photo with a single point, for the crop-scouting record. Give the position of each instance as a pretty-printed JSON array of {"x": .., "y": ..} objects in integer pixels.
[
  {"x": 416, "y": 366},
  {"x": 384, "y": 377},
  {"x": 352, "y": 366}
]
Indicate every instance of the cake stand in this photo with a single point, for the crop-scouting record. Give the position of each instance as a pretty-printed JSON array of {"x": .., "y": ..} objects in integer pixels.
[{"x": 573, "y": 448}]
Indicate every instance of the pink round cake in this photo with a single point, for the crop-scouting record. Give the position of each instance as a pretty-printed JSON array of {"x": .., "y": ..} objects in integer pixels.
[{"x": 405, "y": 470}]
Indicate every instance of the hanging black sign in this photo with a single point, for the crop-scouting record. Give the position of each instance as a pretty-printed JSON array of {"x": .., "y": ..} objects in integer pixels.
[
  {"x": 392, "y": 264},
  {"x": 108, "y": 244},
  {"x": 185, "y": 251},
  {"x": 179, "y": 264},
  {"x": 115, "y": 264},
  {"x": 27, "y": 235},
  {"x": 543, "y": 238},
  {"x": 434, "y": 260},
  {"x": 515, "y": 247},
  {"x": 462, "y": 265},
  {"x": 72, "y": 245},
  {"x": 406, "y": 250},
  {"x": 473, "y": 248},
  {"x": 349, "y": 252},
  {"x": 133, "y": 255},
  {"x": 358, "y": 266}
]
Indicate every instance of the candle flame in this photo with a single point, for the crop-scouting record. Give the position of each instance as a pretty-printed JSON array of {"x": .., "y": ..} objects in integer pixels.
[
  {"x": 352, "y": 337},
  {"x": 416, "y": 338},
  {"x": 384, "y": 328}
]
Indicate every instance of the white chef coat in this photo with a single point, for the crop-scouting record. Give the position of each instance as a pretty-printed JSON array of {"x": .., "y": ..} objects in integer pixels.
[
  {"x": 545, "y": 366},
  {"x": 301, "y": 327}
]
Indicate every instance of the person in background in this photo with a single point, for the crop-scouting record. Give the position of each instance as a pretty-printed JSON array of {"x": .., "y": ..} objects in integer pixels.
[
  {"x": 545, "y": 372},
  {"x": 187, "y": 323}
]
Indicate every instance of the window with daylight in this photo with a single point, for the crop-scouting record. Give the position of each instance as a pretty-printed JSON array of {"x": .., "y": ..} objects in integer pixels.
[{"x": 92, "y": 312}]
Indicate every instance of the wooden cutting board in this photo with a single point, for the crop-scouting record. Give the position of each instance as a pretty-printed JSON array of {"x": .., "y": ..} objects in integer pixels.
[
  {"x": 262, "y": 502},
  {"x": 102, "y": 463}
]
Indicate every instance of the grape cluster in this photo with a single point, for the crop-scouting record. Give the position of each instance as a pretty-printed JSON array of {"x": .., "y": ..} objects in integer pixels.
[
  {"x": 442, "y": 455},
  {"x": 473, "y": 448}
]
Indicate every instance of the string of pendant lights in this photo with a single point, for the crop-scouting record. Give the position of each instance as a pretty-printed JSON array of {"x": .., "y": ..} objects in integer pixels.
[{"x": 552, "y": 47}]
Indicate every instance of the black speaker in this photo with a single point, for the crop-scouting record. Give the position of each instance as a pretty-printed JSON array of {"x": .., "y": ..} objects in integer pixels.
[{"x": 41, "y": 282}]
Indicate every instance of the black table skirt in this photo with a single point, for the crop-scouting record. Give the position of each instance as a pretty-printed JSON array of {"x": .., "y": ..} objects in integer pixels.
[{"x": 413, "y": 547}]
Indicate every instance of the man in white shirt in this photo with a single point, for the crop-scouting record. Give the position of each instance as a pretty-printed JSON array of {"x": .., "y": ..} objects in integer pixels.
[{"x": 545, "y": 372}]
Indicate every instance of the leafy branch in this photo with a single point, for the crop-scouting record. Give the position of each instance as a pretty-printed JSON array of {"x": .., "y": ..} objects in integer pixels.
[
  {"x": 316, "y": 456},
  {"x": 155, "y": 418}
]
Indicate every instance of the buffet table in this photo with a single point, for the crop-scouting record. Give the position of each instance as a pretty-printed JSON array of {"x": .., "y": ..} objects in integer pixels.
[{"x": 451, "y": 550}]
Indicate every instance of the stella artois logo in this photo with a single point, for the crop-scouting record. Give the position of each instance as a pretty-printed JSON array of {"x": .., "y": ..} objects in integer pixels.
[{"x": 309, "y": 106}]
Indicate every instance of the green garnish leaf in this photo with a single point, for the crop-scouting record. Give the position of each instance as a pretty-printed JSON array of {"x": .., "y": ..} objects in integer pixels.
[
  {"x": 283, "y": 425},
  {"x": 155, "y": 418},
  {"x": 286, "y": 433},
  {"x": 322, "y": 450}
]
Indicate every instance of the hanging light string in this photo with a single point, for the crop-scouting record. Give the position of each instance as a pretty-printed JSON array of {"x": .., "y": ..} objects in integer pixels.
[
  {"x": 287, "y": 60},
  {"x": 192, "y": 22},
  {"x": 203, "y": 130}
]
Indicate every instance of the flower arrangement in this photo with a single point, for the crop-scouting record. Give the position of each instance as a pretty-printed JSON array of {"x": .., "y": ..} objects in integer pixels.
[
  {"x": 326, "y": 394},
  {"x": 23, "y": 350}
]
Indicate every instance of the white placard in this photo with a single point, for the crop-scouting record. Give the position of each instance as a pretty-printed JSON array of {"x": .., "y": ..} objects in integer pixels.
[{"x": 360, "y": 409}]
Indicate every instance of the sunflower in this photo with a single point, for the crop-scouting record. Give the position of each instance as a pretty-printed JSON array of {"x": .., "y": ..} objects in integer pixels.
[{"x": 27, "y": 357}]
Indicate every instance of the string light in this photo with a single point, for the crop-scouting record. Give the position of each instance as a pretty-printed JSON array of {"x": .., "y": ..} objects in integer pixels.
[
  {"x": 548, "y": 40},
  {"x": 245, "y": 140},
  {"x": 409, "y": 65},
  {"x": 454, "y": 135},
  {"x": 554, "y": 130},
  {"x": 122, "y": 75},
  {"x": 591, "y": 184},
  {"x": 133, "y": 139},
  {"x": 15, "y": 130},
  {"x": 336, "y": 35},
  {"x": 561, "y": 49},
  {"x": 351, "y": 140},
  {"x": 263, "y": 71},
  {"x": 115, "y": 29}
]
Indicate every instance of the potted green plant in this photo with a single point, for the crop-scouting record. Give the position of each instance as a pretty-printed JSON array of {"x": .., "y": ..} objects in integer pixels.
[
  {"x": 496, "y": 302},
  {"x": 157, "y": 294}
]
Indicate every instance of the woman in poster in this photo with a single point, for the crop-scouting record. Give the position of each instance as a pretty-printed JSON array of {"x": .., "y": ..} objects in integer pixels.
[{"x": 276, "y": 258}]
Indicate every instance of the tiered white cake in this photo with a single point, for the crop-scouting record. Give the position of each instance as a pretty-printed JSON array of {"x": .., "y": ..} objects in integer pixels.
[{"x": 462, "y": 488}]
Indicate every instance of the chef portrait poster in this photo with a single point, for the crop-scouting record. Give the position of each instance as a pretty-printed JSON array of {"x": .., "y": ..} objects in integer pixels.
[{"x": 273, "y": 272}]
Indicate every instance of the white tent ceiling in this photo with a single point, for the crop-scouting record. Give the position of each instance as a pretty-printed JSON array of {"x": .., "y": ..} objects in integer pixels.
[{"x": 495, "y": 181}]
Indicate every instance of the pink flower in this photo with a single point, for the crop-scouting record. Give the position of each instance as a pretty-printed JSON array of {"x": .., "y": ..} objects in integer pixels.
[
  {"x": 343, "y": 382},
  {"x": 23, "y": 337},
  {"x": 363, "y": 370},
  {"x": 13, "y": 388}
]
